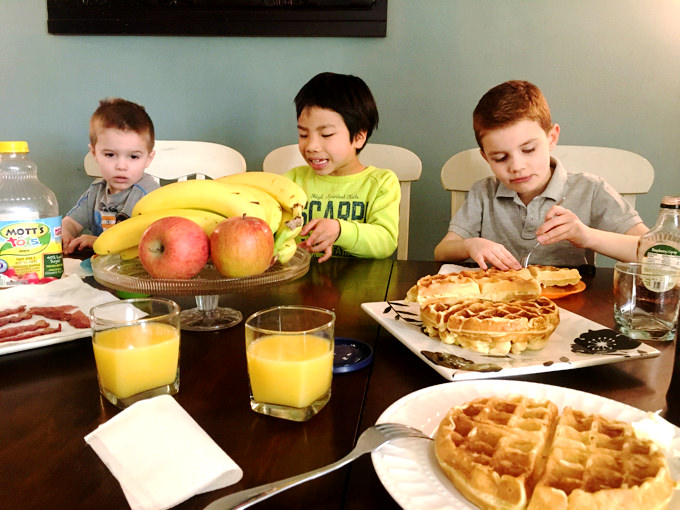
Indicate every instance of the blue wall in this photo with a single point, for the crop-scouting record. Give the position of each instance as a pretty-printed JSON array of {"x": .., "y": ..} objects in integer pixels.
[{"x": 609, "y": 69}]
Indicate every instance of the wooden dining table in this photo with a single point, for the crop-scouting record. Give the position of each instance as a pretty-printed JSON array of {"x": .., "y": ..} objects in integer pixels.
[{"x": 49, "y": 398}]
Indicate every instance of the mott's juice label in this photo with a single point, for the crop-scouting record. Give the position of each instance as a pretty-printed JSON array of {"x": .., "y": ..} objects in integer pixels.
[{"x": 30, "y": 251}]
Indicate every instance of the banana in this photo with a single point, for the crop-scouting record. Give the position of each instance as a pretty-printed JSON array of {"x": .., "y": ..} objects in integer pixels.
[
  {"x": 288, "y": 193},
  {"x": 126, "y": 234},
  {"x": 288, "y": 229},
  {"x": 208, "y": 195},
  {"x": 129, "y": 253},
  {"x": 287, "y": 251},
  {"x": 272, "y": 208}
]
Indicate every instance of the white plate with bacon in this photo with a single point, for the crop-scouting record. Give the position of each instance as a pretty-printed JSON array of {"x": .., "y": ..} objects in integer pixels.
[{"x": 33, "y": 316}]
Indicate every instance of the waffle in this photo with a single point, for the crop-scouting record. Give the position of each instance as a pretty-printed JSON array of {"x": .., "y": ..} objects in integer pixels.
[
  {"x": 492, "y": 449},
  {"x": 513, "y": 453},
  {"x": 492, "y": 285},
  {"x": 492, "y": 327},
  {"x": 599, "y": 463},
  {"x": 550, "y": 276}
]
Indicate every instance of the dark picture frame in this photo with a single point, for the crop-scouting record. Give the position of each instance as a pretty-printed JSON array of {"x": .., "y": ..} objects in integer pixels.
[{"x": 306, "y": 18}]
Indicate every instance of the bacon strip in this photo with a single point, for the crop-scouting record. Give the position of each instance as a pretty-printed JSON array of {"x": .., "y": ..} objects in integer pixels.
[
  {"x": 76, "y": 318},
  {"x": 21, "y": 316},
  {"x": 79, "y": 320},
  {"x": 30, "y": 334},
  {"x": 12, "y": 311},
  {"x": 8, "y": 332}
]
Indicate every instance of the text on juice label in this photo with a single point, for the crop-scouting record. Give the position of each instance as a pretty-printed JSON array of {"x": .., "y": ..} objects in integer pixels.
[{"x": 30, "y": 248}]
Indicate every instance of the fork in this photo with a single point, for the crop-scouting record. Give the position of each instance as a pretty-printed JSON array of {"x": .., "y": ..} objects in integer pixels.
[
  {"x": 525, "y": 260},
  {"x": 370, "y": 440}
]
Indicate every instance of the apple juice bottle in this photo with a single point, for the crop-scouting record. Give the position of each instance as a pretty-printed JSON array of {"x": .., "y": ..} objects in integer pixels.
[{"x": 30, "y": 224}]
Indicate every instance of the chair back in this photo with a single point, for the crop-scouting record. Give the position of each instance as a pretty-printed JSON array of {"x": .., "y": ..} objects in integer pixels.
[
  {"x": 175, "y": 160},
  {"x": 404, "y": 163},
  {"x": 628, "y": 173}
]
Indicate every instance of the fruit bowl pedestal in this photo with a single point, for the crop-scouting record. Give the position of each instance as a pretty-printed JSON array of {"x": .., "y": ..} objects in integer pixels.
[{"x": 129, "y": 276}]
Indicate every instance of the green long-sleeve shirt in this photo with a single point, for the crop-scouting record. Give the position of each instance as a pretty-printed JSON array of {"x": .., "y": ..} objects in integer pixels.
[{"x": 366, "y": 205}]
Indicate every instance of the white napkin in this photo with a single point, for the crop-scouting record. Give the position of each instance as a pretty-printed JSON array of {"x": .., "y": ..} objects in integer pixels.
[
  {"x": 160, "y": 455},
  {"x": 455, "y": 268}
]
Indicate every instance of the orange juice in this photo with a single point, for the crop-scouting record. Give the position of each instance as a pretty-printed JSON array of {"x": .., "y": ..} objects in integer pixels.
[
  {"x": 290, "y": 370},
  {"x": 137, "y": 358}
]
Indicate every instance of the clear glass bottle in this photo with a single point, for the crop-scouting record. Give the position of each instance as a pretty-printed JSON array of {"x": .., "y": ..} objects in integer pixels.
[
  {"x": 661, "y": 245},
  {"x": 30, "y": 224}
]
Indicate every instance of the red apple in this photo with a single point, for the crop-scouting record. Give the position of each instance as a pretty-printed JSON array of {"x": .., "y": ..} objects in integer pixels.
[
  {"x": 242, "y": 246},
  {"x": 174, "y": 247}
]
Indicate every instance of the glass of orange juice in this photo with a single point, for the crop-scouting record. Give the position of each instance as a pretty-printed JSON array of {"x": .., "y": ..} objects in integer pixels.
[
  {"x": 136, "y": 349},
  {"x": 290, "y": 360}
]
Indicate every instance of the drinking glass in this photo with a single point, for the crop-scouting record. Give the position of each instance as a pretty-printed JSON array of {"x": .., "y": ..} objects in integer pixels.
[
  {"x": 289, "y": 350},
  {"x": 646, "y": 300},
  {"x": 136, "y": 349}
]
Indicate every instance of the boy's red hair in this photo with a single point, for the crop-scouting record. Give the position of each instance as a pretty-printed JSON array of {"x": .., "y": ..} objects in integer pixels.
[{"x": 508, "y": 103}]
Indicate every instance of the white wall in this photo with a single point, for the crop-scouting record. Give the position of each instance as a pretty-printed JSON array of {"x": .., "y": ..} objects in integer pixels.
[{"x": 609, "y": 69}]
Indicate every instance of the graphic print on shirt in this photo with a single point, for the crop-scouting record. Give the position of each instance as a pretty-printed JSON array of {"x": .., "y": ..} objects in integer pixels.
[{"x": 336, "y": 206}]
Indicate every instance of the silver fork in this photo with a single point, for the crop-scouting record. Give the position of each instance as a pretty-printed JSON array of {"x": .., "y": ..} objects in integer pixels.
[
  {"x": 370, "y": 440},
  {"x": 525, "y": 260}
]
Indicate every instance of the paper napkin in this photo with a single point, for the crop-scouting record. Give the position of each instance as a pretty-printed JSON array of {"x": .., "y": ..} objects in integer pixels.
[{"x": 160, "y": 455}]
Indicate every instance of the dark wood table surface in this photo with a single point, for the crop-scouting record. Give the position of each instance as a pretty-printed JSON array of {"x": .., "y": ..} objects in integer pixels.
[{"x": 49, "y": 398}]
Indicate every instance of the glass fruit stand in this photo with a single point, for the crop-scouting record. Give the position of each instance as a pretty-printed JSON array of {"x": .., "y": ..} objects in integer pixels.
[{"x": 207, "y": 286}]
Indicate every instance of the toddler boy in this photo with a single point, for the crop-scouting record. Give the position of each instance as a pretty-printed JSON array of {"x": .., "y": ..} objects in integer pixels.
[
  {"x": 504, "y": 216},
  {"x": 121, "y": 142},
  {"x": 352, "y": 209}
]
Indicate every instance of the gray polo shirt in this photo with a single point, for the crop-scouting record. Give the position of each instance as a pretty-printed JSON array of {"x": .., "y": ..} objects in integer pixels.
[
  {"x": 97, "y": 210},
  {"x": 494, "y": 212}
]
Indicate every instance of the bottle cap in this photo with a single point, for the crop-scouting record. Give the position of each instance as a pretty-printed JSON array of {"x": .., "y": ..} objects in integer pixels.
[
  {"x": 670, "y": 202},
  {"x": 13, "y": 147},
  {"x": 351, "y": 355}
]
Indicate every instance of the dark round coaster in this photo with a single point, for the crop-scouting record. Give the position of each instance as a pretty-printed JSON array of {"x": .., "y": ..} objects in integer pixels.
[{"x": 351, "y": 355}]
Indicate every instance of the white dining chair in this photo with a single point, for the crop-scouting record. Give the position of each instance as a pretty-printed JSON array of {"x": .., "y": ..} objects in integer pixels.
[
  {"x": 177, "y": 160},
  {"x": 403, "y": 162},
  {"x": 628, "y": 173}
]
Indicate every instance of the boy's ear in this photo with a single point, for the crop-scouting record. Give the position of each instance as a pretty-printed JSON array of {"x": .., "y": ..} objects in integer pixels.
[
  {"x": 481, "y": 151},
  {"x": 553, "y": 136},
  {"x": 359, "y": 140},
  {"x": 150, "y": 159}
]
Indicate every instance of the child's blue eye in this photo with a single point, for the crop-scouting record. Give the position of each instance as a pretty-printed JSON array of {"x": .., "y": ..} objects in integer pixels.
[
  {"x": 500, "y": 159},
  {"x": 300, "y": 135},
  {"x": 529, "y": 151}
]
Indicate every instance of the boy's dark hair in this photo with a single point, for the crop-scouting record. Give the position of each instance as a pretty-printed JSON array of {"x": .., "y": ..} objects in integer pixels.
[
  {"x": 347, "y": 95},
  {"x": 508, "y": 103},
  {"x": 116, "y": 113}
]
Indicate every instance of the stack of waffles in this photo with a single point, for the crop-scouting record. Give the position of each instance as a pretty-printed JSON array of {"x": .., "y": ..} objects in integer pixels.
[
  {"x": 492, "y": 311},
  {"x": 513, "y": 453}
]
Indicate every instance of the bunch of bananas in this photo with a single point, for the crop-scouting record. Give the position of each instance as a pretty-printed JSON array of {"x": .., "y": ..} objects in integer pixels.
[{"x": 271, "y": 197}]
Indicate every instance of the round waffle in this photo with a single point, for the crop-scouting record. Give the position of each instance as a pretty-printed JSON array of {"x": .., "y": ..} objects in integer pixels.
[
  {"x": 492, "y": 327},
  {"x": 510, "y": 452}
]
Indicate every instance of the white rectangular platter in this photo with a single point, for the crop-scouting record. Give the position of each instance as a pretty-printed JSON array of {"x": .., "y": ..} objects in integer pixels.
[
  {"x": 577, "y": 342},
  {"x": 70, "y": 290}
]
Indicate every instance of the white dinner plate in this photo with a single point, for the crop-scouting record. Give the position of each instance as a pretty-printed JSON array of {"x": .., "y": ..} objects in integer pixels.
[
  {"x": 409, "y": 470},
  {"x": 576, "y": 342}
]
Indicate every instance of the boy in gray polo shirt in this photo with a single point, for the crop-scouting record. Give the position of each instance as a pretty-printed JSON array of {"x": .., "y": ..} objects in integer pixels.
[
  {"x": 121, "y": 141},
  {"x": 504, "y": 216}
]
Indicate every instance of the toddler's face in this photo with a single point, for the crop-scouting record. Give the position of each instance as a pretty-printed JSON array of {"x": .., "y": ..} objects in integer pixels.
[
  {"x": 324, "y": 142},
  {"x": 122, "y": 157},
  {"x": 519, "y": 156}
]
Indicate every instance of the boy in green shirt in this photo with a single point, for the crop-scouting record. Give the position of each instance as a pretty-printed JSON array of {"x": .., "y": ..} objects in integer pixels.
[{"x": 352, "y": 209}]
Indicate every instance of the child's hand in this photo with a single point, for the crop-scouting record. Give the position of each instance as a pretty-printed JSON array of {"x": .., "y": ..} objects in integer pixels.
[
  {"x": 563, "y": 225},
  {"x": 482, "y": 250},
  {"x": 324, "y": 232},
  {"x": 77, "y": 243}
]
